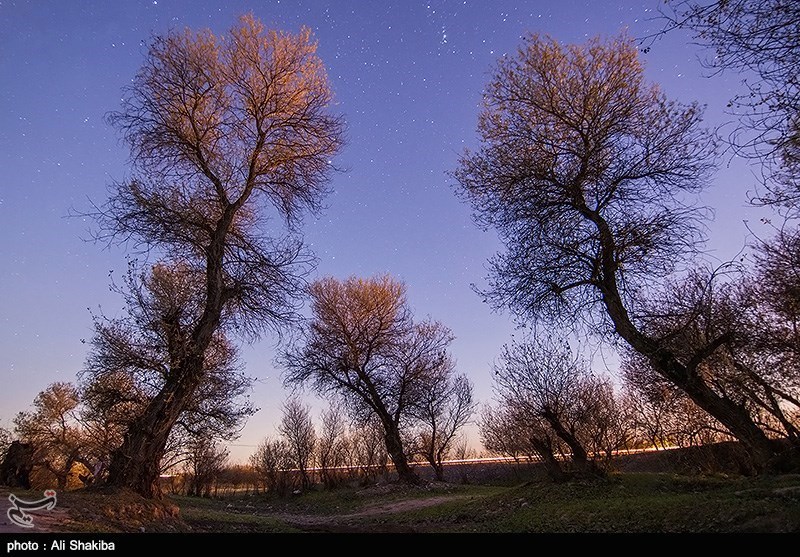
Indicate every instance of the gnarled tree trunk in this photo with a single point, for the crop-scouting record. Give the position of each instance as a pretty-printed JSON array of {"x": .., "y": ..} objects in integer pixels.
[{"x": 135, "y": 464}]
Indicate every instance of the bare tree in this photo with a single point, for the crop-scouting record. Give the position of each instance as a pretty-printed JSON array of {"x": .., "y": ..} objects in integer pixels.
[
  {"x": 589, "y": 174},
  {"x": 443, "y": 410},
  {"x": 544, "y": 380},
  {"x": 368, "y": 454},
  {"x": 763, "y": 356},
  {"x": 772, "y": 293},
  {"x": 331, "y": 446},
  {"x": 502, "y": 435},
  {"x": 297, "y": 430},
  {"x": 132, "y": 359},
  {"x": 221, "y": 129},
  {"x": 205, "y": 465},
  {"x": 759, "y": 40},
  {"x": 755, "y": 365},
  {"x": 609, "y": 427},
  {"x": 271, "y": 462},
  {"x": 511, "y": 429},
  {"x": 362, "y": 344}
]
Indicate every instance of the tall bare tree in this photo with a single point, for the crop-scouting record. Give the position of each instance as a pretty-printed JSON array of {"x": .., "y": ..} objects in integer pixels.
[
  {"x": 297, "y": 430},
  {"x": 589, "y": 174},
  {"x": 226, "y": 133},
  {"x": 132, "y": 358},
  {"x": 363, "y": 344}
]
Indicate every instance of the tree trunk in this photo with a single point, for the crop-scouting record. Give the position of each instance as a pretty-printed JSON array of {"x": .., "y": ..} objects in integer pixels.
[
  {"x": 394, "y": 446},
  {"x": 551, "y": 464},
  {"x": 438, "y": 468},
  {"x": 734, "y": 417},
  {"x": 580, "y": 458},
  {"x": 135, "y": 464}
]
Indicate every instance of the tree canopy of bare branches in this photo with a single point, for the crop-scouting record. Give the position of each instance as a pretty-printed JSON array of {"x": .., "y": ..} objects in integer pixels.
[
  {"x": 297, "y": 429},
  {"x": 548, "y": 385},
  {"x": 362, "y": 343},
  {"x": 590, "y": 175},
  {"x": 760, "y": 41},
  {"x": 231, "y": 142},
  {"x": 443, "y": 410}
]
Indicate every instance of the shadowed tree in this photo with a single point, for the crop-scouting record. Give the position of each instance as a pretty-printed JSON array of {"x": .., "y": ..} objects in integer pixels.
[
  {"x": 543, "y": 379},
  {"x": 363, "y": 344},
  {"x": 367, "y": 447},
  {"x": 443, "y": 410},
  {"x": 204, "y": 465},
  {"x": 589, "y": 174},
  {"x": 665, "y": 416},
  {"x": 331, "y": 446},
  {"x": 297, "y": 431},
  {"x": 753, "y": 312},
  {"x": 226, "y": 135},
  {"x": 501, "y": 435},
  {"x": 132, "y": 358},
  {"x": 769, "y": 305},
  {"x": 271, "y": 462},
  {"x": 511, "y": 429}
]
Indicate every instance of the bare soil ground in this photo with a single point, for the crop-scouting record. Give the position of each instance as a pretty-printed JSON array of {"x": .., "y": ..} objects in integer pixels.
[{"x": 351, "y": 522}]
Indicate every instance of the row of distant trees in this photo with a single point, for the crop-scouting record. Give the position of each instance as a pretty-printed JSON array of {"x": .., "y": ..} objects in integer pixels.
[
  {"x": 592, "y": 179},
  {"x": 550, "y": 408},
  {"x": 73, "y": 441}
]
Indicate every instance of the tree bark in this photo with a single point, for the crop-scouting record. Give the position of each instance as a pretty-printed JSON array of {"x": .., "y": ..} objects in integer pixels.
[
  {"x": 394, "y": 447},
  {"x": 579, "y": 456},
  {"x": 551, "y": 464},
  {"x": 135, "y": 464}
]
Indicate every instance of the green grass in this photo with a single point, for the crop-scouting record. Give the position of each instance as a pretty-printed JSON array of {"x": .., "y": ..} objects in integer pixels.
[
  {"x": 630, "y": 503},
  {"x": 624, "y": 503}
]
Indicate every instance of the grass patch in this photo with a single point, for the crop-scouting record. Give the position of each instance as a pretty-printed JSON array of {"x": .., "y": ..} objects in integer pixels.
[{"x": 630, "y": 502}]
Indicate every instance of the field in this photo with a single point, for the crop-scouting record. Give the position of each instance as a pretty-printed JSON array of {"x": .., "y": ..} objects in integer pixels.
[{"x": 641, "y": 496}]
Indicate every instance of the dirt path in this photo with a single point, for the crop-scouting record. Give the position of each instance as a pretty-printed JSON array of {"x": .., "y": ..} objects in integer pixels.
[{"x": 353, "y": 522}]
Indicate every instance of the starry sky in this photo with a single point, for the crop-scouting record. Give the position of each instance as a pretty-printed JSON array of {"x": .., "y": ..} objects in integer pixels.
[{"x": 407, "y": 76}]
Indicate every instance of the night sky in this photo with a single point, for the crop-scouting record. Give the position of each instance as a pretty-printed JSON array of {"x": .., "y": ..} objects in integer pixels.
[{"x": 407, "y": 76}]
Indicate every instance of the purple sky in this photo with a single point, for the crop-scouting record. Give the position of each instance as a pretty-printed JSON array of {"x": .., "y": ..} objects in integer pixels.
[{"x": 407, "y": 75}]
